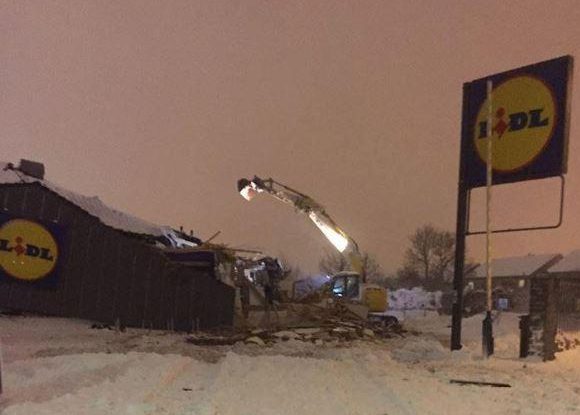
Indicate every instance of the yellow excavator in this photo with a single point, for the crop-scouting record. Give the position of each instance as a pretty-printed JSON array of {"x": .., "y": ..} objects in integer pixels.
[{"x": 347, "y": 286}]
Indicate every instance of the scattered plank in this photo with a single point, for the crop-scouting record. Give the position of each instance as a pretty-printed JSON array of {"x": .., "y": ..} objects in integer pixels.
[
  {"x": 478, "y": 383},
  {"x": 209, "y": 340}
]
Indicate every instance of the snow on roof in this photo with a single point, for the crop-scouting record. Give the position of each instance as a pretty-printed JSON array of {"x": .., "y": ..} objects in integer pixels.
[
  {"x": 515, "y": 266},
  {"x": 93, "y": 205},
  {"x": 569, "y": 263}
]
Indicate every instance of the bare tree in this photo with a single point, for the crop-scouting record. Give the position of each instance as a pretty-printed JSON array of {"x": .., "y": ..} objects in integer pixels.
[
  {"x": 292, "y": 272},
  {"x": 334, "y": 262},
  {"x": 431, "y": 254},
  {"x": 407, "y": 277}
]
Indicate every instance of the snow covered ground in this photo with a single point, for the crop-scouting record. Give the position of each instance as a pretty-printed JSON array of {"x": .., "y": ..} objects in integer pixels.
[{"x": 56, "y": 366}]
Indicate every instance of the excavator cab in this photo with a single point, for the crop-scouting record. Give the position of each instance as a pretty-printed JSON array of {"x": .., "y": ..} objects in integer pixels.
[{"x": 346, "y": 285}]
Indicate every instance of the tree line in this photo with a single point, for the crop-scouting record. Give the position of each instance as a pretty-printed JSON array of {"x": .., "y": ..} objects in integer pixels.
[{"x": 428, "y": 262}]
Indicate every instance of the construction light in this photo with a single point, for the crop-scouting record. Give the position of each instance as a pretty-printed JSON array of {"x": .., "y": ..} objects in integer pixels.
[
  {"x": 336, "y": 238},
  {"x": 247, "y": 189}
]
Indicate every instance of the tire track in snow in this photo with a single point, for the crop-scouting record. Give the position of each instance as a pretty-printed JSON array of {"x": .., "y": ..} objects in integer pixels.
[
  {"x": 183, "y": 389},
  {"x": 54, "y": 386}
]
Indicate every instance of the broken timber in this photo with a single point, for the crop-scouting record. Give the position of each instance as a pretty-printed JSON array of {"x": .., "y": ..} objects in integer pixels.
[{"x": 477, "y": 383}]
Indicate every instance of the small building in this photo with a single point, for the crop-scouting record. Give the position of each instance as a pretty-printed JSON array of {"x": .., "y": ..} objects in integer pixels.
[
  {"x": 553, "y": 323},
  {"x": 69, "y": 255},
  {"x": 511, "y": 278},
  {"x": 567, "y": 272}
]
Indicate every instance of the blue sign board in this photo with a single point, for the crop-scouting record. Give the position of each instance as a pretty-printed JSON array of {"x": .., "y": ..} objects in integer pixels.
[{"x": 529, "y": 129}]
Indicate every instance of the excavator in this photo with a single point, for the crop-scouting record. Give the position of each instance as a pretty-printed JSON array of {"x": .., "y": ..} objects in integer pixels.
[{"x": 346, "y": 287}]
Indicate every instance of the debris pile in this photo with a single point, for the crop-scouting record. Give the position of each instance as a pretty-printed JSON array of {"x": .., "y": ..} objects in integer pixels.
[
  {"x": 314, "y": 324},
  {"x": 565, "y": 341}
]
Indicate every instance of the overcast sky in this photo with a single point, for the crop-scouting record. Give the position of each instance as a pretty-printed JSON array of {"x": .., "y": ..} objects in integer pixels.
[{"x": 159, "y": 107}]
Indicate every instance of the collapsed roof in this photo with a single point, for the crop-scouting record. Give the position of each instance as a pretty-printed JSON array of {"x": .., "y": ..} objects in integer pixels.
[{"x": 9, "y": 174}]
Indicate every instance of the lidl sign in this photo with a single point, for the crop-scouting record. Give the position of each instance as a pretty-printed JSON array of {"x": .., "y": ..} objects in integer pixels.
[
  {"x": 529, "y": 129},
  {"x": 30, "y": 251}
]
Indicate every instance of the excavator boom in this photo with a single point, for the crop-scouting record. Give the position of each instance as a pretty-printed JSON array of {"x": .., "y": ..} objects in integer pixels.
[
  {"x": 345, "y": 286},
  {"x": 315, "y": 211}
]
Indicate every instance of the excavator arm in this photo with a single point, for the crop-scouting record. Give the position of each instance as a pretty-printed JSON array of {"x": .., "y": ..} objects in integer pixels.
[{"x": 316, "y": 212}]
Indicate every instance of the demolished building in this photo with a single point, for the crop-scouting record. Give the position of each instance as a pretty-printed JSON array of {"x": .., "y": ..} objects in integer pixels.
[{"x": 69, "y": 255}]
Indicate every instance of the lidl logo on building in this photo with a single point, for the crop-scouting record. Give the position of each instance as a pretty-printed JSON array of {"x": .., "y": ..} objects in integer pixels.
[
  {"x": 28, "y": 250},
  {"x": 523, "y": 119}
]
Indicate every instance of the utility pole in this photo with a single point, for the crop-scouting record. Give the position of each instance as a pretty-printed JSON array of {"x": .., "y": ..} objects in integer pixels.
[
  {"x": 487, "y": 326},
  {"x": 0, "y": 368}
]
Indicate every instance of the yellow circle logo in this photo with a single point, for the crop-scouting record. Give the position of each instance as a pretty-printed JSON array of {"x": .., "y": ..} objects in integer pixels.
[
  {"x": 28, "y": 250},
  {"x": 523, "y": 119}
]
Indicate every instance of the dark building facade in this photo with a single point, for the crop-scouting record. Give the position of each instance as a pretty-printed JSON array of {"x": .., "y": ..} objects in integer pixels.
[{"x": 100, "y": 273}]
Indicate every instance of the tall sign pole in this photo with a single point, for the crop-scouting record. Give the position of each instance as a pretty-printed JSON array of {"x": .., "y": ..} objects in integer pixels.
[
  {"x": 487, "y": 327},
  {"x": 530, "y": 110},
  {"x": 0, "y": 368},
  {"x": 460, "y": 232}
]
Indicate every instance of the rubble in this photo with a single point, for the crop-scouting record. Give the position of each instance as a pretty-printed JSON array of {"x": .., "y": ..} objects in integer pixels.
[
  {"x": 308, "y": 331},
  {"x": 217, "y": 339},
  {"x": 566, "y": 341},
  {"x": 286, "y": 334},
  {"x": 308, "y": 323},
  {"x": 368, "y": 332},
  {"x": 255, "y": 340}
]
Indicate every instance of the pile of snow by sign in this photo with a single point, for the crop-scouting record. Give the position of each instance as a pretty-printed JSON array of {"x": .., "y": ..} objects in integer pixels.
[{"x": 414, "y": 299}]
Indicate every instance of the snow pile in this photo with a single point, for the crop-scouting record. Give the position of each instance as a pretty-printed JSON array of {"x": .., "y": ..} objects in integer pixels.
[
  {"x": 506, "y": 332},
  {"x": 414, "y": 299},
  {"x": 285, "y": 385},
  {"x": 420, "y": 349}
]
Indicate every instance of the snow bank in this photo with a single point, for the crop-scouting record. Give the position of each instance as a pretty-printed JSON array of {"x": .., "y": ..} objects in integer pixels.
[
  {"x": 285, "y": 385},
  {"x": 414, "y": 299}
]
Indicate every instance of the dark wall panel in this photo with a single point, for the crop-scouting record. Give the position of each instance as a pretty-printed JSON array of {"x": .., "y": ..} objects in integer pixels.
[
  {"x": 108, "y": 275},
  {"x": 92, "y": 273}
]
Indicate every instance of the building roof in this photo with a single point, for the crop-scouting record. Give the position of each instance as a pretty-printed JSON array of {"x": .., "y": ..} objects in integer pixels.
[
  {"x": 95, "y": 207},
  {"x": 570, "y": 263},
  {"x": 520, "y": 266}
]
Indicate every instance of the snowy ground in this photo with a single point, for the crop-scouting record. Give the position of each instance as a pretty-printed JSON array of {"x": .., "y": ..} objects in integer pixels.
[{"x": 56, "y": 366}]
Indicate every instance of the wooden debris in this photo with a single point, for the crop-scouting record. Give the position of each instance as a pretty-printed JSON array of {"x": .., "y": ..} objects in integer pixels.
[
  {"x": 478, "y": 383},
  {"x": 286, "y": 334},
  {"x": 313, "y": 324},
  {"x": 216, "y": 340},
  {"x": 255, "y": 340}
]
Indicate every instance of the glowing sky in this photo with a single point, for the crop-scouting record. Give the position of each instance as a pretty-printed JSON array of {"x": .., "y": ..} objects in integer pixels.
[{"x": 159, "y": 107}]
